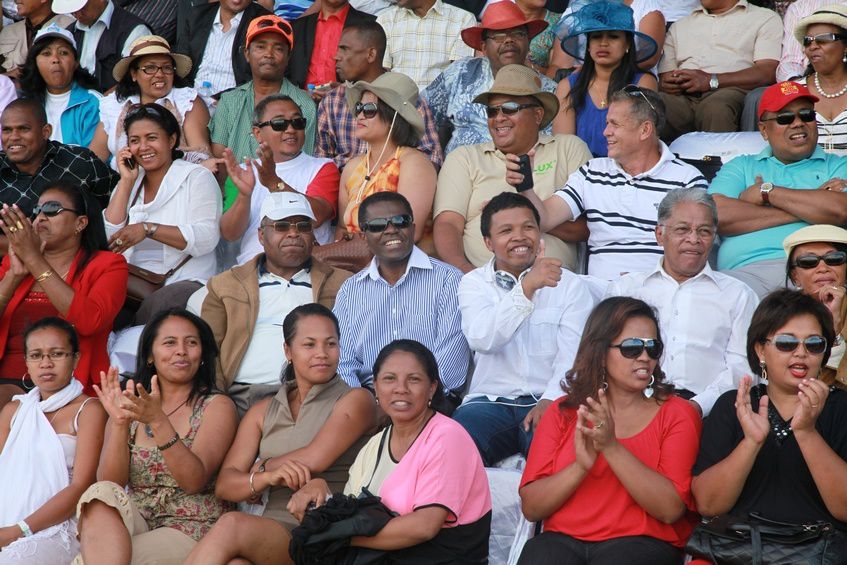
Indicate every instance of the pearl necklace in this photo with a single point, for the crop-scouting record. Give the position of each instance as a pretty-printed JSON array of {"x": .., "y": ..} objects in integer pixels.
[{"x": 826, "y": 95}]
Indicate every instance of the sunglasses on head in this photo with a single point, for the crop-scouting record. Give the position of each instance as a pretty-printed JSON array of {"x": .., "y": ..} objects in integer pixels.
[
  {"x": 814, "y": 344},
  {"x": 810, "y": 260},
  {"x": 280, "y": 124},
  {"x": 379, "y": 225},
  {"x": 369, "y": 109},
  {"x": 634, "y": 90},
  {"x": 508, "y": 109},
  {"x": 151, "y": 109},
  {"x": 51, "y": 208},
  {"x": 786, "y": 118},
  {"x": 284, "y": 226},
  {"x": 632, "y": 347},
  {"x": 283, "y": 26},
  {"x": 822, "y": 38}
]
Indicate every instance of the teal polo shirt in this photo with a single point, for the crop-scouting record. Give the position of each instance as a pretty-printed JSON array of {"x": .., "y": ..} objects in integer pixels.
[{"x": 761, "y": 245}]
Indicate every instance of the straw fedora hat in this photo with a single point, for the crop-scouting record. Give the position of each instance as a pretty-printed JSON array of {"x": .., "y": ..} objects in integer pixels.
[
  {"x": 397, "y": 90},
  {"x": 833, "y": 14},
  {"x": 520, "y": 80},
  {"x": 151, "y": 45},
  {"x": 499, "y": 16}
]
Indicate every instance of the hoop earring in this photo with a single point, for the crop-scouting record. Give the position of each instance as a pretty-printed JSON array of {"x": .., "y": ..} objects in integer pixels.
[
  {"x": 23, "y": 382},
  {"x": 603, "y": 384},
  {"x": 764, "y": 368},
  {"x": 649, "y": 391}
]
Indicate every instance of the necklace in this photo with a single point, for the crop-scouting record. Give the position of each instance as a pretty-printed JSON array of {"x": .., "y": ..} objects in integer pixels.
[
  {"x": 825, "y": 94},
  {"x": 781, "y": 429},
  {"x": 149, "y": 431}
]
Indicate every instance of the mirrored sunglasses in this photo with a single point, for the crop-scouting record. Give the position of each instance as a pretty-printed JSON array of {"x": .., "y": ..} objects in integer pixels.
[
  {"x": 284, "y": 226},
  {"x": 379, "y": 225},
  {"x": 369, "y": 109},
  {"x": 508, "y": 109},
  {"x": 633, "y": 346},
  {"x": 822, "y": 38},
  {"x": 51, "y": 208},
  {"x": 814, "y": 344}
]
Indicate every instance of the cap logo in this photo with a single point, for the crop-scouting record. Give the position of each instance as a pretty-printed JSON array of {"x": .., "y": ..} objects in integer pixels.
[{"x": 788, "y": 88}]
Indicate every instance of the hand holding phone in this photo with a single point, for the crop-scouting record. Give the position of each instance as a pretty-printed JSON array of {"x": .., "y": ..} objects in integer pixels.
[
  {"x": 130, "y": 163},
  {"x": 526, "y": 171}
]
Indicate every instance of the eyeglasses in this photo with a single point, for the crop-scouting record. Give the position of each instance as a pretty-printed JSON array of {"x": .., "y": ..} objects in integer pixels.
[
  {"x": 36, "y": 357},
  {"x": 501, "y": 36},
  {"x": 814, "y": 344},
  {"x": 279, "y": 124},
  {"x": 810, "y": 261},
  {"x": 379, "y": 225},
  {"x": 634, "y": 90},
  {"x": 153, "y": 69},
  {"x": 369, "y": 109},
  {"x": 822, "y": 38},
  {"x": 787, "y": 117},
  {"x": 508, "y": 109},
  {"x": 284, "y": 226},
  {"x": 633, "y": 346},
  {"x": 683, "y": 230},
  {"x": 51, "y": 209}
]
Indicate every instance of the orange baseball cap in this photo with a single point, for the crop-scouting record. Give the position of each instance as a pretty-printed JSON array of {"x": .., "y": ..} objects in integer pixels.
[{"x": 270, "y": 24}]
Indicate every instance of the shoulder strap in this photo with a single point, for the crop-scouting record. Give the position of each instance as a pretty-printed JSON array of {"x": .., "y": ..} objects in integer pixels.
[
  {"x": 378, "y": 457},
  {"x": 178, "y": 266},
  {"x": 78, "y": 412}
]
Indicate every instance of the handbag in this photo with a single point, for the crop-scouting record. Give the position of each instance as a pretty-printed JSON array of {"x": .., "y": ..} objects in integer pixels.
[
  {"x": 141, "y": 283},
  {"x": 730, "y": 540},
  {"x": 350, "y": 253}
]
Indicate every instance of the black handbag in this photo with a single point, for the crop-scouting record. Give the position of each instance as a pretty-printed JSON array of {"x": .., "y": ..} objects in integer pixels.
[{"x": 730, "y": 540}]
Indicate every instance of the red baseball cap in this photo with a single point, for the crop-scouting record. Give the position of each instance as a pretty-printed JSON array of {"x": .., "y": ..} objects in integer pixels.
[
  {"x": 270, "y": 24},
  {"x": 778, "y": 96}
]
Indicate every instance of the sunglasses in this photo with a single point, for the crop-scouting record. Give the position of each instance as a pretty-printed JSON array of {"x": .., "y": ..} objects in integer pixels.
[
  {"x": 508, "y": 109},
  {"x": 814, "y": 344},
  {"x": 501, "y": 36},
  {"x": 369, "y": 109},
  {"x": 822, "y": 38},
  {"x": 280, "y": 124},
  {"x": 51, "y": 208},
  {"x": 379, "y": 225},
  {"x": 810, "y": 261},
  {"x": 283, "y": 26},
  {"x": 634, "y": 90},
  {"x": 150, "y": 109},
  {"x": 787, "y": 118},
  {"x": 153, "y": 69},
  {"x": 633, "y": 346},
  {"x": 284, "y": 226}
]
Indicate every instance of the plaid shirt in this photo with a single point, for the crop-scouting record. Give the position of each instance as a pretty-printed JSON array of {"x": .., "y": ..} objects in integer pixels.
[
  {"x": 423, "y": 47},
  {"x": 336, "y": 125},
  {"x": 67, "y": 163}
]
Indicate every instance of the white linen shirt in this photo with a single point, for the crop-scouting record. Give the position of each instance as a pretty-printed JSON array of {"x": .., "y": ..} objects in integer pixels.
[
  {"x": 190, "y": 199},
  {"x": 521, "y": 347},
  {"x": 88, "y": 50},
  {"x": 216, "y": 64},
  {"x": 703, "y": 323}
]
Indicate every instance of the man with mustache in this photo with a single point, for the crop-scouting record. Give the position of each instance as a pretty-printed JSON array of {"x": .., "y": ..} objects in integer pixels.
[
  {"x": 245, "y": 306},
  {"x": 764, "y": 198}
]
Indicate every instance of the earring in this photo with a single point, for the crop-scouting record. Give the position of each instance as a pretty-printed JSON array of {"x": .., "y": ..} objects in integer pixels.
[
  {"x": 764, "y": 369},
  {"x": 377, "y": 400},
  {"x": 603, "y": 384},
  {"x": 844, "y": 58},
  {"x": 429, "y": 402},
  {"x": 648, "y": 392},
  {"x": 23, "y": 382}
]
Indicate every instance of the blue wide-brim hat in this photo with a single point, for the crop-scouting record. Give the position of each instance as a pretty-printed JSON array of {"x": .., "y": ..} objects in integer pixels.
[{"x": 573, "y": 29}]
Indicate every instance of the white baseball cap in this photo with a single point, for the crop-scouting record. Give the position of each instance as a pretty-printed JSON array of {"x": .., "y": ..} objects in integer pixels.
[
  {"x": 68, "y": 6},
  {"x": 54, "y": 30},
  {"x": 281, "y": 205}
]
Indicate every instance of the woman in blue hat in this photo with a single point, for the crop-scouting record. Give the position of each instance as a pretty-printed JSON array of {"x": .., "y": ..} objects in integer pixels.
[{"x": 602, "y": 35}]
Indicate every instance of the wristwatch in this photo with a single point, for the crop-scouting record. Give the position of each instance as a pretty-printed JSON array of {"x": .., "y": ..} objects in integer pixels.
[
  {"x": 765, "y": 190},
  {"x": 713, "y": 82}
]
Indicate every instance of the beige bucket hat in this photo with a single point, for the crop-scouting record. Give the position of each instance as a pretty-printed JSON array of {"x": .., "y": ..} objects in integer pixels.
[{"x": 520, "y": 80}]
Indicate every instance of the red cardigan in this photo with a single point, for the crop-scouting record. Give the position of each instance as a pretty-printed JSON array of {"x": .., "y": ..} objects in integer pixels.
[{"x": 100, "y": 292}]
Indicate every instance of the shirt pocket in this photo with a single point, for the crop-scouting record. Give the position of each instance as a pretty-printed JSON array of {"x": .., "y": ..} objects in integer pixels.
[{"x": 543, "y": 332}]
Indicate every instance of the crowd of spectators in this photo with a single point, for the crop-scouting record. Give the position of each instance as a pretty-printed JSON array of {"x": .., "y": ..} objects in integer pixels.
[{"x": 282, "y": 281}]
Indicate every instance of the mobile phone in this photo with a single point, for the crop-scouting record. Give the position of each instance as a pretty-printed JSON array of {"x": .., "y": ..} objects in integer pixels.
[
  {"x": 526, "y": 171},
  {"x": 130, "y": 163}
]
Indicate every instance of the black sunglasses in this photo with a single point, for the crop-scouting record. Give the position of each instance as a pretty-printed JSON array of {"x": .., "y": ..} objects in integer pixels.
[
  {"x": 787, "y": 118},
  {"x": 822, "y": 38},
  {"x": 51, "y": 208},
  {"x": 508, "y": 109},
  {"x": 632, "y": 347},
  {"x": 810, "y": 261},
  {"x": 379, "y": 225},
  {"x": 369, "y": 109},
  {"x": 284, "y": 226},
  {"x": 280, "y": 124},
  {"x": 814, "y": 344},
  {"x": 152, "y": 109}
]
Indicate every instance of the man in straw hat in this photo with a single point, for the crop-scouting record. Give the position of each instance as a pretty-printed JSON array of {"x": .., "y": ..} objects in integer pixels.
[
  {"x": 103, "y": 32},
  {"x": 764, "y": 198},
  {"x": 712, "y": 59},
  {"x": 619, "y": 194},
  {"x": 518, "y": 109},
  {"x": 503, "y": 37}
]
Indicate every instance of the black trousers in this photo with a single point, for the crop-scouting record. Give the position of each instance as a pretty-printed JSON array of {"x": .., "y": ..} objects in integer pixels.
[{"x": 553, "y": 548}]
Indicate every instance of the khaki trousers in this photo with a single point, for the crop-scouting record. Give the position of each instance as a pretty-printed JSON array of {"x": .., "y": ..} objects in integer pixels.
[{"x": 717, "y": 111}]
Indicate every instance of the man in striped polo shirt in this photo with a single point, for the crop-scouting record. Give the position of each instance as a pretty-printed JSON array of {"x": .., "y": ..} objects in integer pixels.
[{"x": 620, "y": 194}]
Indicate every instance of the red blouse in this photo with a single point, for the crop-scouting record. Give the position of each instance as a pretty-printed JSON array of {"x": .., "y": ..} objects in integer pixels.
[{"x": 601, "y": 508}]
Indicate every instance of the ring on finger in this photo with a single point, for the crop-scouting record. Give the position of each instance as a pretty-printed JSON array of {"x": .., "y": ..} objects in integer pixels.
[
  {"x": 119, "y": 242},
  {"x": 12, "y": 229},
  {"x": 19, "y": 225}
]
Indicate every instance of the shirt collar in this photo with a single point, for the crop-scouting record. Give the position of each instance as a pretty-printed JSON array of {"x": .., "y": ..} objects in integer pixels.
[
  {"x": 234, "y": 22},
  {"x": 659, "y": 271},
  {"x": 105, "y": 17},
  {"x": 817, "y": 155},
  {"x": 418, "y": 260},
  {"x": 263, "y": 270},
  {"x": 489, "y": 147},
  {"x": 742, "y": 4},
  {"x": 664, "y": 156},
  {"x": 437, "y": 7},
  {"x": 339, "y": 15}
]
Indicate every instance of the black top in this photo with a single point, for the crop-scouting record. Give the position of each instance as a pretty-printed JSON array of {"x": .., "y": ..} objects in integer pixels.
[{"x": 779, "y": 486}]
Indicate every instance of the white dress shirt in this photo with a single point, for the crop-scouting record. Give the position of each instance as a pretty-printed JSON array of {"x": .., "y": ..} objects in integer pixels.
[
  {"x": 703, "y": 323},
  {"x": 521, "y": 347},
  {"x": 88, "y": 51},
  {"x": 216, "y": 64}
]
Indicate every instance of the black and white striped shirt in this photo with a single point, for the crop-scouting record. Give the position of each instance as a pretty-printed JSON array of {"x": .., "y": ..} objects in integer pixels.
[{"x": 622, "y": 210}]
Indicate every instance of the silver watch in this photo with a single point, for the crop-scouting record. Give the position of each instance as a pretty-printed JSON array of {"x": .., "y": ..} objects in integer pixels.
[
  {"x": 714, "y": 83},
  {"x": 765, "y": 190}
]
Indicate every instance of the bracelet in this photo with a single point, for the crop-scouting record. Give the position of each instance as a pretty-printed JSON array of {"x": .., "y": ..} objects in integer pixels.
[
  {"x": 153, "y": 228},
  {"x": 146, "y": 229},
  {"x": 44, "y": 276},
  {"x": 171, "y": 443},
  {"x": 25, "y": 528},
  {"x": 253, "y": 492}
]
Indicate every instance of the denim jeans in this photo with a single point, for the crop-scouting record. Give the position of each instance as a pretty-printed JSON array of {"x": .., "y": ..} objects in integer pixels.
[{"x": 497, "y": 426}]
